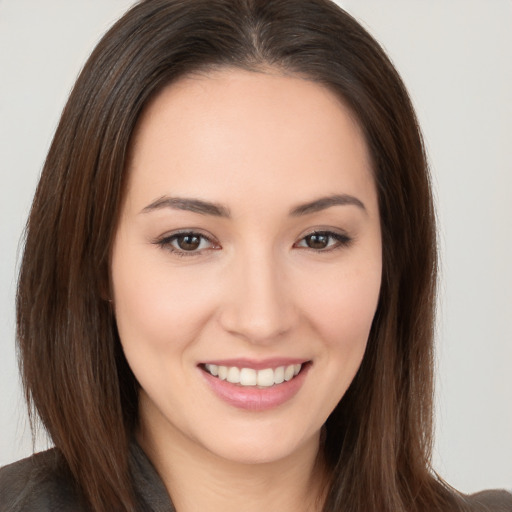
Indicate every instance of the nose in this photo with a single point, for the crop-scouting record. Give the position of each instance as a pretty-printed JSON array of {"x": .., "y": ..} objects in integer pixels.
[{"x": 258, "y": 306}]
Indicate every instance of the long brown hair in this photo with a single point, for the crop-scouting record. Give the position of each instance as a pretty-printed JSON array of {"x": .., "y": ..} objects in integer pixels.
[{"x": 378, "y": 439}]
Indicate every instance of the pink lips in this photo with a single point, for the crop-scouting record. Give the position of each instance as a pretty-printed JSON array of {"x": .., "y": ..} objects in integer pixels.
[{"x": 254, "y": 398}]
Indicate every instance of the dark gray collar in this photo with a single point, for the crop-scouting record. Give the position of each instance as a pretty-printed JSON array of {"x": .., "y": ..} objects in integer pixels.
[{"x": 150, "y": 489}]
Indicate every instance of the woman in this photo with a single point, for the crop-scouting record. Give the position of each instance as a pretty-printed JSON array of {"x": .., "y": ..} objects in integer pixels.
[{"x": 226, "y": 297}]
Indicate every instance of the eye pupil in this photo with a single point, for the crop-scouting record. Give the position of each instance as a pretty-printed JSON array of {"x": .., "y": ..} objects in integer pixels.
[
  {"x": 317, "y": 241},
  {"x": 188, "y": 242}
]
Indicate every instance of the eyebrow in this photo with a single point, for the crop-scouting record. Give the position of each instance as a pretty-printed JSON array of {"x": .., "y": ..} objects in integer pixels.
[
  {"x": 327, "y": 202},
  {"x": 188, "y": 204},
  {"x": 218, "y": 210}
]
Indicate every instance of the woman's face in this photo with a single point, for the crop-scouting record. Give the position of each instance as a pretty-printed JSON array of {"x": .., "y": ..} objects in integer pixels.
[{"x": 248, "y": 249}]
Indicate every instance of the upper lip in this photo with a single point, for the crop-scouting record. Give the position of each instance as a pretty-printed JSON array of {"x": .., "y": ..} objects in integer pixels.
[{"x": 260, "y": 364}]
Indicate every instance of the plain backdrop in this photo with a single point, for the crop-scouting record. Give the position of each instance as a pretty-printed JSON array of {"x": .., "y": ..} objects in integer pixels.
[{"x": 455, "y": 56}]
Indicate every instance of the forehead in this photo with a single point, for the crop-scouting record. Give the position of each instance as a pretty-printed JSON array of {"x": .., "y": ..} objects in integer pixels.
[{"x": 238, "y": 131}]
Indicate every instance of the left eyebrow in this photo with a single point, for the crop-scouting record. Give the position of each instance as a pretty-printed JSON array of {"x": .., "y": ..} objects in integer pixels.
[{"x": 327, "y": 202}]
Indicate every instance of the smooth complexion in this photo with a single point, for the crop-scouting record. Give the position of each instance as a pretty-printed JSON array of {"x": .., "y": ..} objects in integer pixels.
[{"x": 249, "y": 237}]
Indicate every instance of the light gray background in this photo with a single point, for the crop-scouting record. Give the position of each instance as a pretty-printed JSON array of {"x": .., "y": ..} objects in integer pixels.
[{"x": 455, "y": 56}]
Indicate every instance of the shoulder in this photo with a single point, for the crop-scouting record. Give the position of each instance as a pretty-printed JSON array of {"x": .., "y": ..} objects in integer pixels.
[
  {"x": 491, "y": 501},
  {"x": 41, "y": 482}
]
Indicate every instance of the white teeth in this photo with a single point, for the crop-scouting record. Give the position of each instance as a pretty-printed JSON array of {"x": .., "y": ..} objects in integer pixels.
[
  {"x": 279, "y": 375},
  {"x": 288, "y": 372},
  {"x": 233, "y": 375},
  {"x": 222, "y": 372},
  {"x": 248, "y": 377},
  {"x": 251, "y": 377},
  {"x": 213, "y": 369},
  {"x": 266, "y": 377}
]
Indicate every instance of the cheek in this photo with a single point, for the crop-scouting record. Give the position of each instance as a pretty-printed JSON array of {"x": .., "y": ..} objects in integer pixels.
[
  {"x": 343, "y": 307},
  {"x": 157, "y": 309},
  {"x": 340, "y": 311}
]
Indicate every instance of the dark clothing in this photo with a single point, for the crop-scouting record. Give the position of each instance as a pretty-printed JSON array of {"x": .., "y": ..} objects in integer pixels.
[{"x": 42, "y": 484}]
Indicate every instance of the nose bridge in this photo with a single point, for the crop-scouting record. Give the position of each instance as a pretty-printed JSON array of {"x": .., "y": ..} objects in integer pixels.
[{"x": 258, "y": 306}]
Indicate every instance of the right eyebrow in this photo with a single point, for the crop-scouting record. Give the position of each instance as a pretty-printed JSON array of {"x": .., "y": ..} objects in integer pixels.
[{"x": 188, "y": 204}]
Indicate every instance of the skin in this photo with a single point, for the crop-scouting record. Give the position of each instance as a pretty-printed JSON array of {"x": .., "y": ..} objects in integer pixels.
[{"x": 259, "y": 144}]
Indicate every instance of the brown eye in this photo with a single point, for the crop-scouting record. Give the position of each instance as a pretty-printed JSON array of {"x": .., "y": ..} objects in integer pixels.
[
  {"x": 188, "y": 242},
  {"x": 317, "y": 240},
  {"x": 324, "y": 241}
]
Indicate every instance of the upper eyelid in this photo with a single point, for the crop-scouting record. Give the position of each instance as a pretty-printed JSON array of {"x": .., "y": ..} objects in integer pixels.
[
  {"x": 193, "y": 231},
  {"x": 189, "y": 233},
  {"x": 325, "y": 230},
  {"x": 331, "y": 234},
  {"x": 165, "y": 242}
]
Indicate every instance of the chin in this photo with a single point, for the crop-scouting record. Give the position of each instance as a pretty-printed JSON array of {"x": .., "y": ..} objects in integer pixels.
[{"x": 259, "y": 448}]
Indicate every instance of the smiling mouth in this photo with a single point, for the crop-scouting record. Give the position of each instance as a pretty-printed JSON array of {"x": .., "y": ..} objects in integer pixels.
[{"x": 249, "y": 377}]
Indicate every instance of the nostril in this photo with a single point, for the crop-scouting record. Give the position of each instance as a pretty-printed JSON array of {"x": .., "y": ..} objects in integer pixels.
[
  {"x": 257, "y": 306},
  {"x": 258, "y": 328}
]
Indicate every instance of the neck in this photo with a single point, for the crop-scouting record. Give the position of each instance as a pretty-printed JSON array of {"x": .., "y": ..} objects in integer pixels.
[{"x": 198, "y": 480}]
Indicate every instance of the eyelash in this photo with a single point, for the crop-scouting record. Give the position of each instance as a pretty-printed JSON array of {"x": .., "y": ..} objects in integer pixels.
[
  {"x": 341, "y": 240},
  {"x": 166, "y": 243}
]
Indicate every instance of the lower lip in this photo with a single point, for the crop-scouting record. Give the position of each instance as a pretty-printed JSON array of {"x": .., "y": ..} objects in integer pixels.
[{"x": 256, "y": 399}]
